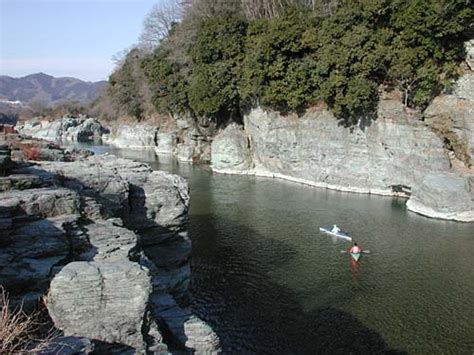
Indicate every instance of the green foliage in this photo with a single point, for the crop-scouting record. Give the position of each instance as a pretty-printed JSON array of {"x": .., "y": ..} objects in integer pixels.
[
  {"x": 426, "y": 45},
  {"x": 169, "y": 87},
  {"x": 124, "y": 88},
  {"x": 301, "y": 58},
  {"x": 276, "y": 72},
  {"x": 217, "y": 54}
]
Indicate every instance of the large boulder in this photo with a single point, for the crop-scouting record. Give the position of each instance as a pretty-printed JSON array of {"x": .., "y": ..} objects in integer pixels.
[
  {"x": 34, "y": 226},
  {"x": 231, "y": 150},
  {"x": 444, "y": 196},
  {"x": 102, "y": 300},
  {"x": 31, "y": 249}
]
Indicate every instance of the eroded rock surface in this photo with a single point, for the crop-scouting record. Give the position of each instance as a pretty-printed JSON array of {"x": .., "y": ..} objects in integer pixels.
[
  {"x": 452, "y": 118},
  {"x": 231, "y": 150},
  {"x": 104, "y": 300},
  {"x": 444, "y": 196},
  {"x": 138, "y": 136},
  {"x": 80, "y": 129},
  {"x": 81, "y": 224}
]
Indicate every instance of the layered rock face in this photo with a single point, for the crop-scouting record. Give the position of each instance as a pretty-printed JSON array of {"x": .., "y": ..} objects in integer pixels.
[
  {"x": 81, "y": 225},
  {"x": 79, "y": 129},
  {"x": 388, "y": 157}
]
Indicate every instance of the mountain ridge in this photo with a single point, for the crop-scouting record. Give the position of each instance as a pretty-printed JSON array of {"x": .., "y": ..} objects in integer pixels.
[{"x": 48, "y": 90}]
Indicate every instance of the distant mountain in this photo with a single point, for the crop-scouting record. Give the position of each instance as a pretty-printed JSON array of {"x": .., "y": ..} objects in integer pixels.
[{"x": 48, "y": 90}]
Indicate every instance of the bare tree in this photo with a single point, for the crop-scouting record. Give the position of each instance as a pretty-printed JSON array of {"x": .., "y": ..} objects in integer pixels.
[
  {"x": 159, "y": 22},
  {"x": 119, "y": 57}
]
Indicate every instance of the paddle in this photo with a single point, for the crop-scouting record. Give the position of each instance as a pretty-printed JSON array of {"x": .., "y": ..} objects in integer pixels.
[{"x": 363, "y": 251}]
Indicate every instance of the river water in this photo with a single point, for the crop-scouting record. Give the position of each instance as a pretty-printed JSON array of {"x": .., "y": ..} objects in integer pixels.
[{"x": 268, "y": 282}]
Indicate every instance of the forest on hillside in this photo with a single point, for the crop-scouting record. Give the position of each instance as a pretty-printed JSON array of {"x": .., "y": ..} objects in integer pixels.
[{"x": 217, "y": 59}]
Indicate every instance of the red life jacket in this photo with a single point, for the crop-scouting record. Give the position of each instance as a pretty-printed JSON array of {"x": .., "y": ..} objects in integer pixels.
[{"x": 355, "y": 249}]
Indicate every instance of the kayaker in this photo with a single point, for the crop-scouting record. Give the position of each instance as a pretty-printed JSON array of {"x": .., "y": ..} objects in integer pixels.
[
  {"x": 355, "y": 249},
  {"x": 335, "y": 229}
]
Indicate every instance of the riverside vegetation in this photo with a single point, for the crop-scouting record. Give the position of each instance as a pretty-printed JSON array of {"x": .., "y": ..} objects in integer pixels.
[{"x": 224, "y": 58}]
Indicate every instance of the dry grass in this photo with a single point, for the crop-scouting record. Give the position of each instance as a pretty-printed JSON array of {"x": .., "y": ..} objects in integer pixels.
[{"x": 21, "y": 332}]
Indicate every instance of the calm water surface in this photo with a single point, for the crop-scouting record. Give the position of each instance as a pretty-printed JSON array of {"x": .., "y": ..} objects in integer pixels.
[{"x": 268, "y": 282}]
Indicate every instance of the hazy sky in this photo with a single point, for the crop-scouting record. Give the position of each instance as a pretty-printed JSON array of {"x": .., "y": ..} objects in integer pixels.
[{"x": 67, "y": 37}]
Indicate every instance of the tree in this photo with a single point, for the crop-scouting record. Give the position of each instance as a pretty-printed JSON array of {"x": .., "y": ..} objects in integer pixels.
[
  {"x": 125, "y": 86},
  {"x": 159, "y": 22}
]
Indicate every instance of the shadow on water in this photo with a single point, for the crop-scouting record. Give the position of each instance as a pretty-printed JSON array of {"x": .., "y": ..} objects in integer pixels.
[{"x": 276, "y": 322}]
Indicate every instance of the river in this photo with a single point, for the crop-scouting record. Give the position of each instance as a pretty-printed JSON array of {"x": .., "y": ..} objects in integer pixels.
[{"x": 269, "y": 282}]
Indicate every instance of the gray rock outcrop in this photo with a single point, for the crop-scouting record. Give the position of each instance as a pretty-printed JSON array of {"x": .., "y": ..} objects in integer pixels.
[
  {"x": 138, "y": 136},
  {"x": 444, "y": 196},
  {"x": 231, "y": 150},
  {"x": 452, "y": 118},
  {"x": 101, "y": 300},
  {"x": 469, "y": 46},
  {"x": 184, "y": 138},
  {"x": 165, "y": 143},
  {"x": 387, "y": 157},
  {"x": 81, "y": 224},
  {"x": 79, "y": 129},
  {"x": 391, "y": 155}
]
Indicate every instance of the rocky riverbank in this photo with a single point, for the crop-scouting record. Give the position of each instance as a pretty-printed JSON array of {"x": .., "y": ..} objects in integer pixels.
[
  {"x": 425, "y": 156},
  {"x": 108, "y": 238}
]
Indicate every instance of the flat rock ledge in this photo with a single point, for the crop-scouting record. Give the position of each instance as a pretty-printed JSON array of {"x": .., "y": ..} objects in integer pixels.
[{"x": 108, "y": 238}]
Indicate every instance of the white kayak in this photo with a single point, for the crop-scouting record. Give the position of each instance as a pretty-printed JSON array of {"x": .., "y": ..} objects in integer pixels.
[{"x": 339, "y": 234}]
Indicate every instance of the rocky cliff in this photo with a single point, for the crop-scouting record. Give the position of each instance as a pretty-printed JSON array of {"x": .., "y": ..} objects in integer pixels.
[
  {"x": 108, "y": 237},
  {"x": 187, "y": 140},
  {"x": 425, "y": 155}
]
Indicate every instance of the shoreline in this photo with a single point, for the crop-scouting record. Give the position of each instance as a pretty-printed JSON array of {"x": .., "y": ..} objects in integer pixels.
[{"x": 310, "y": 183}]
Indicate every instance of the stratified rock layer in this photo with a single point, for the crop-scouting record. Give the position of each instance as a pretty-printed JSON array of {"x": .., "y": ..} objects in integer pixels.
[{"x": 388, "y": 156}]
